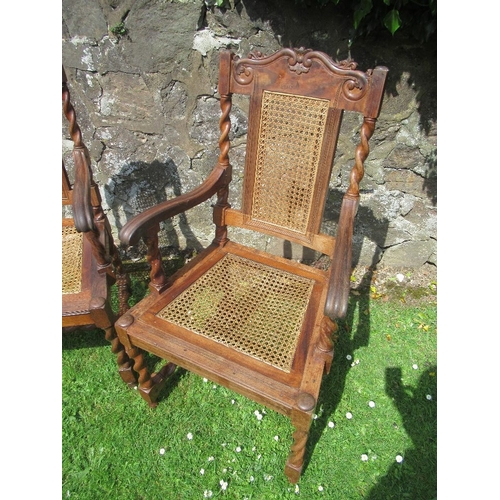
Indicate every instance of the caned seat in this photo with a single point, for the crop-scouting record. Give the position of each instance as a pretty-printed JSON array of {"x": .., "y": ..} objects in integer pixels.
[
  {"x": 72, "y": 260},
  {"x": 90, "y": 260},
  {"x": 252, "y": 307},
  {"x": 260, "y": 324}
]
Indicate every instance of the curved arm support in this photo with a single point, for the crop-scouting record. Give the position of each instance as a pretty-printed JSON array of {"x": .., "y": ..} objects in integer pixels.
[
  {"x": 83, "y": 213},
  {"x": 339, "y": 286},
  {"x": 140, "y": 226},
  {"x": 338, "y": 291},
  {"x": 340, "y": 278}
]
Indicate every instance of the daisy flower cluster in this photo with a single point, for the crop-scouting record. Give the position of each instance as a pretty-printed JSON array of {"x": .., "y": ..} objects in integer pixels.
[
  {"x": 259, "y": 414},
  {"x": 355, "y": 362},
  {"x": 228, "y": 472},
  {"x": 222, "y": 483}
]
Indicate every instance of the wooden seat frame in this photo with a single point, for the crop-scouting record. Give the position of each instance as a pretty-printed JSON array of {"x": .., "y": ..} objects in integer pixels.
[
  {"x": 288, "y": 74},
  {"x": 89, "y": 303}
]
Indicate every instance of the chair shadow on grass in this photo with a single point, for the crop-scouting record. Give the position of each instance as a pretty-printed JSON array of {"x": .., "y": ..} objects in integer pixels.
[
  {"x": 416, "y": 476},
  {"x": 92, "y": 337},
  {"x": 83, "y": 338},
  {"x": 332, "y": 388},
  {"x": 333, "y": 384}
]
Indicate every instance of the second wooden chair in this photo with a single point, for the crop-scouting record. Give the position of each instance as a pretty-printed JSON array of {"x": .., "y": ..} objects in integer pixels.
[{"x": 90, "y": 260}]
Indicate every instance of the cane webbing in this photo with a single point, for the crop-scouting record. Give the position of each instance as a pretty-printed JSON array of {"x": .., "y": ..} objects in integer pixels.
[
  {"x": 72, "y": 244},
  {"x": 253, "y": 308},
  {"x": 288, "y": 153}
]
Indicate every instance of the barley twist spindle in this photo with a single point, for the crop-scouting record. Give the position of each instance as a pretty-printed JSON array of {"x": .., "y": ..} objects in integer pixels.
[
  {"x": 296, "y": 457},
  {"x": 116, "y": 347},
  {"x": 225, "y": 127},
  {"x": 157, "y": 275},
  {"x": 145, "y": 380},
  {"x": 97, "y": 249},
  {"x": 327, "y": 335},
  {"x": 362, "y": 150},
  {"x": 223, "y": 191},
  {"x": 69, "y": 112}
]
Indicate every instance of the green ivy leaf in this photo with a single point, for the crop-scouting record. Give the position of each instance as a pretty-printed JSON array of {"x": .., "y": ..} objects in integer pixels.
[
  {"x": 387, "y": 2},
  {"x": 433, "y": 6},
  {"x": 392, "y": 21},
  {"x": 364, "y": 7}
]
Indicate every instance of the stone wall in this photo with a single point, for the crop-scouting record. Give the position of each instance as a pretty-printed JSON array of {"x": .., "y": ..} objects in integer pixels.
[{"x": 145, "y": 92}]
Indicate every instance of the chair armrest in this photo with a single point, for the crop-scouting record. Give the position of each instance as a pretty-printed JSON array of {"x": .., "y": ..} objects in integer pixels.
[
  {"x": 138, "y": 226},
  {"x": 340, "y": 277},
  {"x": 83, "y": 214}
]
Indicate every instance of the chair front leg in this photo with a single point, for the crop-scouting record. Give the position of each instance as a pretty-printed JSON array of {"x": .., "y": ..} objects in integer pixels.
[
  {"x": 150, "y": 385},
  {"x": 301, "y": 419},
  {"x": 99, "y": 310}
]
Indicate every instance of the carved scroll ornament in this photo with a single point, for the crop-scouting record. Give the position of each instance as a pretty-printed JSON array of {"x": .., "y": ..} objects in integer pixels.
[{"x": 300, "y": 61}]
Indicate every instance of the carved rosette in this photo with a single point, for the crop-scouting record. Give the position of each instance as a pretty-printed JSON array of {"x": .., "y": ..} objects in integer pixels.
[{"x": 300, "y": 63}]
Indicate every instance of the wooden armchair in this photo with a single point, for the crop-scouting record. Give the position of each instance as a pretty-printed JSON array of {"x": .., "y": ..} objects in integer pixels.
[
  {"x": 90, "y": 260},
  {"x": 262, "y": 325}
]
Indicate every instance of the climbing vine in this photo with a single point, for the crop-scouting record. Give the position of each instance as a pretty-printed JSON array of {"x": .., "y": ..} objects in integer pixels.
[{"x": 414, "y": 18}]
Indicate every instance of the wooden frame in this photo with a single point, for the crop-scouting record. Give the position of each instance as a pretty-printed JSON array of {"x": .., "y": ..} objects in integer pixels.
[{"x": 289, "y": 75}]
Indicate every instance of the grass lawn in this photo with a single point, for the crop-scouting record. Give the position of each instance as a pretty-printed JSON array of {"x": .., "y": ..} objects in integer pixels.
[{"x": 374, "y": 436}]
